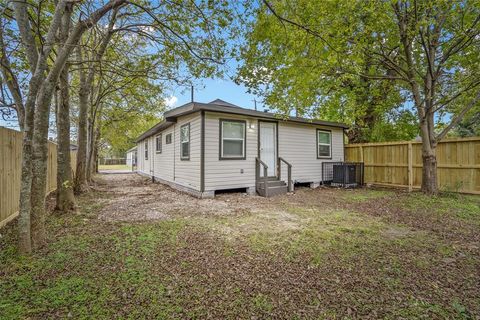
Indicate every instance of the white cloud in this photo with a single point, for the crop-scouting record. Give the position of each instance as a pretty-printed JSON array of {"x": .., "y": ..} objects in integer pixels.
[{"x": 170, "y": 101}]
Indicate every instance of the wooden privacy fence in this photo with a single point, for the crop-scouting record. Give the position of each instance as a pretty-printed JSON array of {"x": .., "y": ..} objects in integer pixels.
[
  {"x": 112, "y": 161},
  {"x": 11, "y": 168},
  {"x": 399, "y": 164}
]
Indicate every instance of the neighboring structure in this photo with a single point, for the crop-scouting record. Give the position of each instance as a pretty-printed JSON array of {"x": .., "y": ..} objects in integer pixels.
[
  {"x": 205, "y": 147},
  {"x": 132, "y": 157}
]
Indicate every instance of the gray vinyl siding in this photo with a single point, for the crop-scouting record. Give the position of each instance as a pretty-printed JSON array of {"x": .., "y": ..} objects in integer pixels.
[
  {"x": 187, "y": 172},
  {"x": 226, "y": 174},
  {"x": 144, "y": 166},
  {"x": 167, "y": 165},
  {"x": 298, "y": 145},
  {"x": 164, "y": 161}
]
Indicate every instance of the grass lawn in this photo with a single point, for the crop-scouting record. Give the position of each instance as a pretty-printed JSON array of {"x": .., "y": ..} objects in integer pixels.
[
  {"x": 114, "y": 167},
  {"x": 142, "y": 251}
]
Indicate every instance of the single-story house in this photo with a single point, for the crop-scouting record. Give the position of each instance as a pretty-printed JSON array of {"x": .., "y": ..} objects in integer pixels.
[
  {"x": 202, "y": 148},
  {"x": 131, "y": 157}
]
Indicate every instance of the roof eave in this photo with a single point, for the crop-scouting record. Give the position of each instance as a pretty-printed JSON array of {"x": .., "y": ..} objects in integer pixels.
[
  {"x": 194, "y": 107},
  {"x": 156, "y": 128}
]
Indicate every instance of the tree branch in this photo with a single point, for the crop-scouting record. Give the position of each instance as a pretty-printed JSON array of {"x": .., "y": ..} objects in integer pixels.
[
  {"x": 458, "y": 117},
  {"x": 298, "y": 25}
]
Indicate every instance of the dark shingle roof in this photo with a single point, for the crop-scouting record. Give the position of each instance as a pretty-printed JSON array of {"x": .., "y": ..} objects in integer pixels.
[
  {"x": 156, "y": 128},
  {"x": 225, "y": 107}
]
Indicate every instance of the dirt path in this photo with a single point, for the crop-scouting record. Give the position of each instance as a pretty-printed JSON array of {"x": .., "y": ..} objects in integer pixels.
[
  {"x": 136, "y": 198},
  {"x": 131, "y": 197}
]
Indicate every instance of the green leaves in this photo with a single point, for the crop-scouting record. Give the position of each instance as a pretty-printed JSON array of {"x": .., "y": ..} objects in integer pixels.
[{"x": 346, "y": 60}]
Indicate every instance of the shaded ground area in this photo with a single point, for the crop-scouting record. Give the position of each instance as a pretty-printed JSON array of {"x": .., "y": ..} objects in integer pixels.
[{"x": 143, "y": 250}]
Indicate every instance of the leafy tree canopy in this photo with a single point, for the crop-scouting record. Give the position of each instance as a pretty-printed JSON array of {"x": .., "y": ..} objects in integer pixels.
[{"x": 342, "y": 60}]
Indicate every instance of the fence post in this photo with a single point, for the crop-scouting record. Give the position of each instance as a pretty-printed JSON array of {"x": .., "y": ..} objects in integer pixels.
[
  {"x": 410, "y": 167},
  {"x": 361, "y": 153}
]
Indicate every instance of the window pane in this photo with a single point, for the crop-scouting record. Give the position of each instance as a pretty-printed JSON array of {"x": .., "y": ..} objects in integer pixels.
[
  {"x": 323, "y": 151},
  {"x": 233, "y": 129},
  {"x": 184, "y": 135},
  {"x": 233, "y": 148},
  {"x": 323, "y": 137},
  {"x": 185, "y": 149},
  {"x": 159, "y": 143}
]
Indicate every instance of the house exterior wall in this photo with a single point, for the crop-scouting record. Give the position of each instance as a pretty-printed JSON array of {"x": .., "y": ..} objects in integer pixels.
[
  {"x": 129, "y": 158},
  {"x": 144, "y": 165},
  {"x": 297, "y": 144},
  {"x": 167, "y": 165},
  {"x": 187, "y": 172},
  {"x": 164, "y": 165},
  {"x": 228, "y": 174}
]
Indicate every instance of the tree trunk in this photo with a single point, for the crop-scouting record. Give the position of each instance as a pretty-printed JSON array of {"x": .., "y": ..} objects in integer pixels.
[
  {"x": 24, "y": 239},
  {"x": 65, "y": 198},
  {"x": 429, "y": 173},
  {"x": 40, "y": 156},
  {"x": 91, "y": 143},
  {"x": 95, "y": 150},
  {"x": 429, "y": 159},
  {"x": 86, "y": 84},
  {"x": 37, "y": 111},
  {"x": 80, "y": 174},
  {"x": 24, "y": 222}
]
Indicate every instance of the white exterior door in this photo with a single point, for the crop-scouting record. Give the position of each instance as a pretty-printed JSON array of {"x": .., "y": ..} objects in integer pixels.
[{"x": 268, "y": 147}]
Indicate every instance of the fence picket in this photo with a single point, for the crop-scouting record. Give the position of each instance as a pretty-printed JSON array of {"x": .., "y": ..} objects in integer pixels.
[
  {"x": 11, "y": 168},
  {"x": 399, "y": 164}
]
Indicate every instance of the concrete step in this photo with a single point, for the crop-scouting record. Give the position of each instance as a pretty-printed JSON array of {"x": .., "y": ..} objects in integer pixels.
[
  {"x": 273, "y": 183},
  {"x": 273, "y": 191}
]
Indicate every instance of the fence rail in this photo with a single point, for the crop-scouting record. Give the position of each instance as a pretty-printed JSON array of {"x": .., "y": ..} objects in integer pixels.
[
  {"x": 11, "y": 168},
  {"x": 113, "y": 161},
  {"x": 399, "y": 164}
]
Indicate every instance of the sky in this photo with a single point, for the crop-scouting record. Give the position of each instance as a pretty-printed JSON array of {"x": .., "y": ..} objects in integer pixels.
[
  {"x": 209, "y": 90},
  {"x": 212, "y": 89}
]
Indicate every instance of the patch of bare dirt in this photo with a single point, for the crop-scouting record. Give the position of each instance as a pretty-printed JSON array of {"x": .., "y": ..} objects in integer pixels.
[{"x": 135, "y": 198}]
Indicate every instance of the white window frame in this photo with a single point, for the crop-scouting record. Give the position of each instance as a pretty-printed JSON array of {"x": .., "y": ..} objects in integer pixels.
[
  {"x": 182, "y": 157},
  {"x": 324, "y": 144},
  {"x": 146, "y": 149},
  {"x": 157, "y": 139},
  {"x": 244, "y": 140}
]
